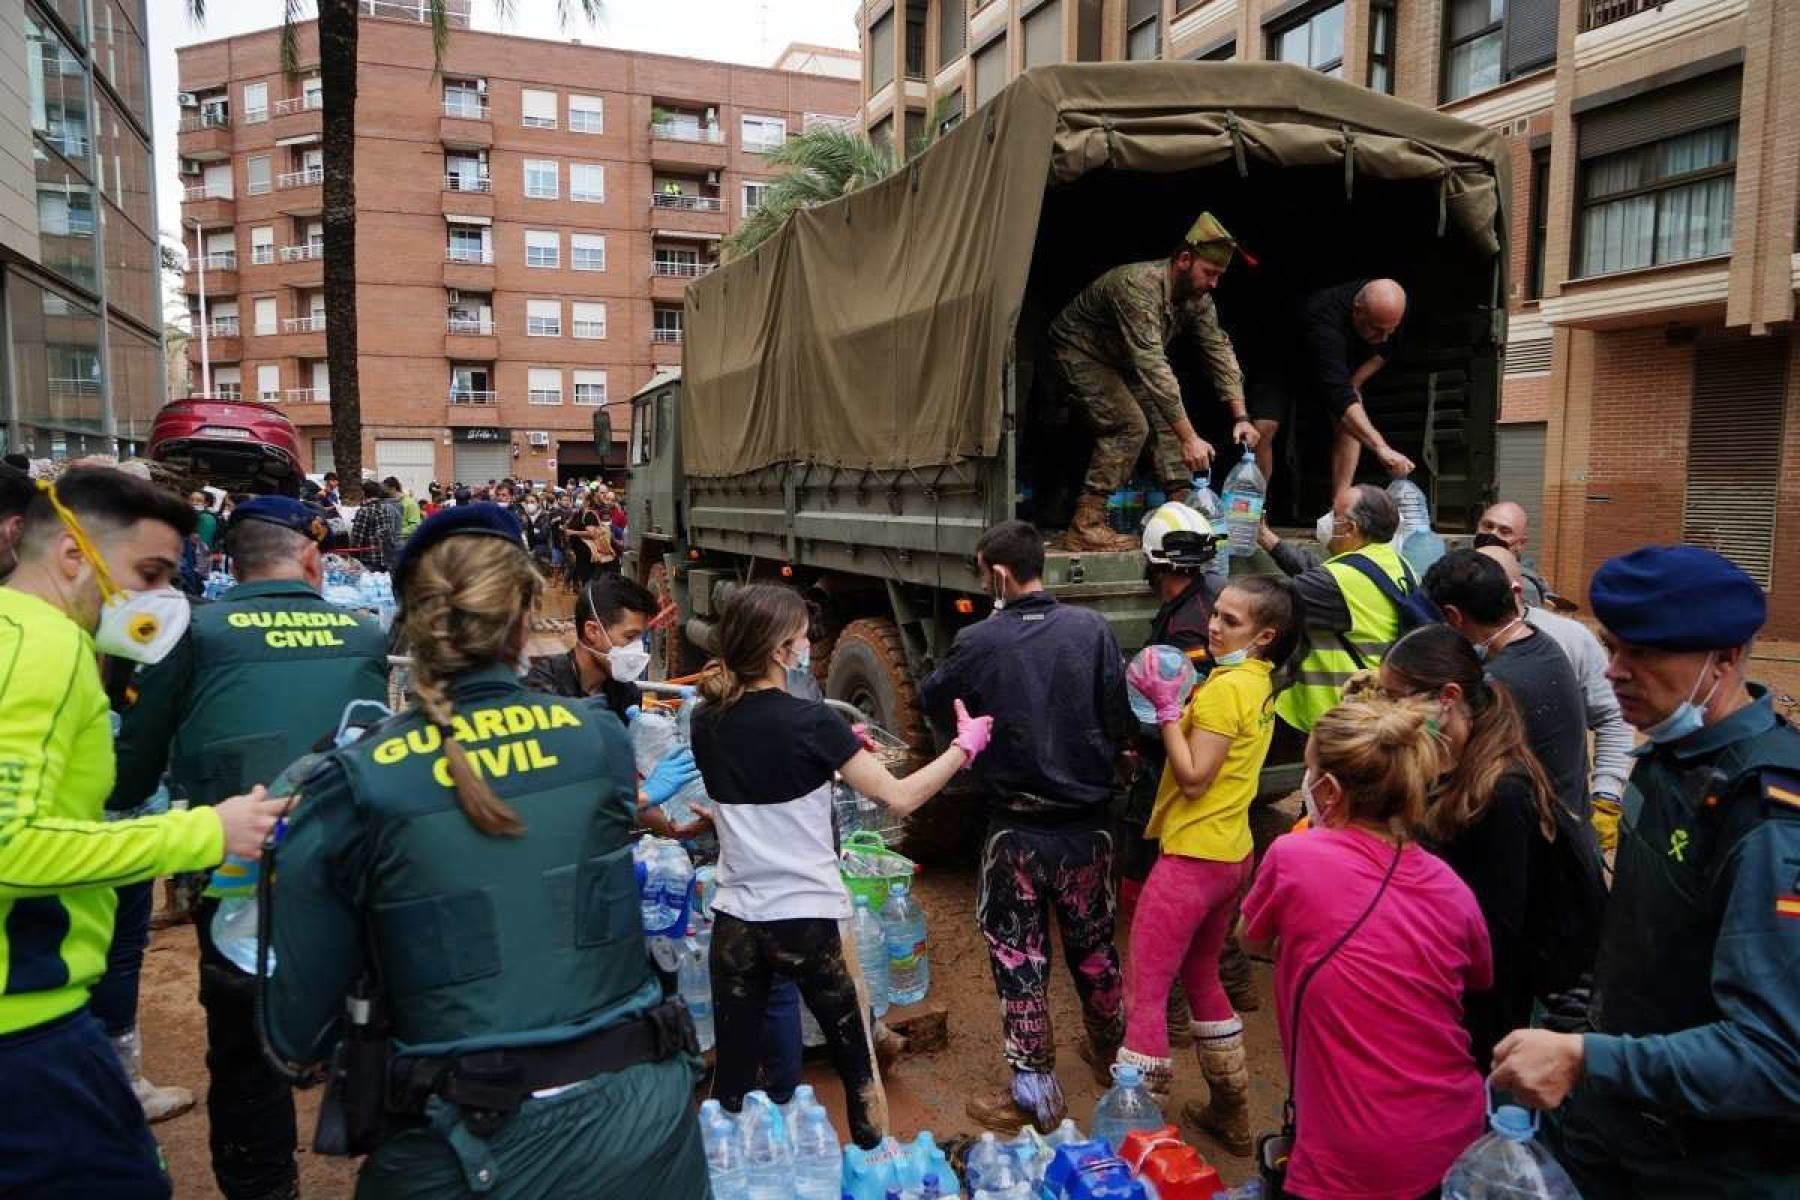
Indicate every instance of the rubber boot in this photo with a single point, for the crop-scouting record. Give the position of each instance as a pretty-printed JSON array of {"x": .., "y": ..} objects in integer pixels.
[
  {"x": 1180, "y": 1017},
  {"x": 160, "y": 1103},
  {"x": 1226, "y": 1115},
  {"x": 1033, "y": 1098},
  {"x": 1158, "y": 1073},
  {"x": 1238, "y": 977},
  {"x": 1089, "y": 531}
]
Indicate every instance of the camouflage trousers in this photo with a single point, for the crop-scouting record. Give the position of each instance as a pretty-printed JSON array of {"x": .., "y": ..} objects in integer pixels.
[{"x": 1121, "y": 415}]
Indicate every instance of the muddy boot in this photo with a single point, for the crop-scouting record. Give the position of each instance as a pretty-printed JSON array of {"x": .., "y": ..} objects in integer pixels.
[
  {"x": 1034, "y": 1098},
  {"x": 1226, "y": 1115},
  {"x": 1181, "y": 1018},
  {"x": 1236, "y": 973},
  {"x": 1099, "y": 1056},
  {"x": 160, "y": 1103},
  {"x": 1089, "y": 531},
  {"x": 1158, "y": 1073}
]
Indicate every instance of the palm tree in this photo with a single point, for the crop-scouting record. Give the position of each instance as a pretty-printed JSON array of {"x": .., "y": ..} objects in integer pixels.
[{"x": 338, "y": 25}]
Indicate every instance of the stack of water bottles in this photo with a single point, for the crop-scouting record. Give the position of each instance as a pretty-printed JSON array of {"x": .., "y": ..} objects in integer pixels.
[
  {"x": 771, "y": 1152},
  {"x": 218, "y": 582},
  {"x": 896, "y": 1170}
]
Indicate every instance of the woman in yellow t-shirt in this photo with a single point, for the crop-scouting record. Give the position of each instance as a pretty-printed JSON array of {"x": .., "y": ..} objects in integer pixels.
[{"x": 1215, "y": 756}]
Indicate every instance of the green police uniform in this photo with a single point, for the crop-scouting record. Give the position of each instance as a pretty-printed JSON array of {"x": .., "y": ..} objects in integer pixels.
[
  {"x": 486, "y": 946},
  {"x": 1691, "y": 1079}
]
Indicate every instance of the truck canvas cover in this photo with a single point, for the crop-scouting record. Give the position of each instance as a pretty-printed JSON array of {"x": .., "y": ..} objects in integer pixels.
[{"x": 876, "y": 332}]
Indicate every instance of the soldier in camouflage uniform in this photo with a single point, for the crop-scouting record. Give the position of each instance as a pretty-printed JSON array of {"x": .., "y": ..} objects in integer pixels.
[{"x": 1110, "y": 346}]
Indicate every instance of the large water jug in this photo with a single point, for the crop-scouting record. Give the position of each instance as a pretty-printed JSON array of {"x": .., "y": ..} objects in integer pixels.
[
  {"x": 1126, "y": 1106},
  {"x": 871, "y": 953},
  {"x": 1507, "y": 1163},
  {"x": 903, "y": 926},
  {"x": 767, "y": 1161},
  {"x": 1161, "y": 662},
  {"x": 1414, "y": 540},
  {"x": 818, "y": 1159},
  {"x": 653, "y": 736},
  {"x": 693, "y": 979},
  {"x": 1245, "y": 489},
  {"x": 1206, "y": 502},
  {"x": 724, "y": 1152}
]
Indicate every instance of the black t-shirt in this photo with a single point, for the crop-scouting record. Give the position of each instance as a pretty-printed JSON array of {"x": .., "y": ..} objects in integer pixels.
[
  {"x": 768, "y": 762},
  {"x": 557, "y": 675},
  {"x": 1541, "y": 680},
  {"x": 1332, "y": 348}
]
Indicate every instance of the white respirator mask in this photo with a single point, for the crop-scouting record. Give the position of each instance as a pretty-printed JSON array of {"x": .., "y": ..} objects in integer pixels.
[{"x": 141, "y": 627}]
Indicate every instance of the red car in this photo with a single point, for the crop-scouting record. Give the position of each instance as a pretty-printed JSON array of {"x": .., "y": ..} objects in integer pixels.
[{"x": 238, "y": 445}]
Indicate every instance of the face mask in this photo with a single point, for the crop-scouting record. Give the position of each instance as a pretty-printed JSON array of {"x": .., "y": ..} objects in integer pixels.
[
  {"x": 1324, "y": 527},
  {"x": 1481, "y": 647},
  {"x": 802, "y": 658},
  {"x": 1490, "y": 539},
  {"x": 997, "y": 590},
  {"x": 531, "y": 510},
  {"x": 1309, "y": 804},
  {"x": 1689, "y": 717},
  {"x": 1232, "y": 658},
  {"x": 142, "y": 626},
  {"x": 627, "y": 662}
]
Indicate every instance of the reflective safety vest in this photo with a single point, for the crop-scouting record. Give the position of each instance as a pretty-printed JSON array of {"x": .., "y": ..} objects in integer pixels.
[{"x": 1328, "y": 665}]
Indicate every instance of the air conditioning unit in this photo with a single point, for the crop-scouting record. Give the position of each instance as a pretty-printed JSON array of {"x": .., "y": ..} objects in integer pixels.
[
  {"x": 538, "y": 437},
  {"x": 190, "y": 167},
  {"x": 187, "y": 99}
]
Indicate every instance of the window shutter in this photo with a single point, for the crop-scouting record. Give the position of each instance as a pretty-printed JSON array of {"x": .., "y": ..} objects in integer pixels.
[
  {"x": 990, "y": 70},
  {"x": 1530, "y": 35},
  {"x": 1710, "y": 100},
  {"x": 538, "y": 106},
  {"x": 1734, "y": 450},
  {"x": 1141, "y": 10},
  {"x": 1043, "y": 32}
]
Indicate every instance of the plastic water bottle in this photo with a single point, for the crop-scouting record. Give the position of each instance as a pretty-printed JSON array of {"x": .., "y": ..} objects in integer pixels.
[
  {"x": 768, "y": 1164},
  {"x": 1409, "y": 499},
  {"x": 1245, "y": 489},
  {"x": 903, "y": 926},
  {"x": 871, "y": 953},
  {"x": 653, "y": 737},
  {"x": 724, "y": 1152},
  {"x": 1205, "y": 501},
  {"x": 818, "y": 1159},
  {"x": 1126, "y": 1106},
  {"x": 1414, "y": 540},
  {"x": 992, "y": 1173},
  {"x": 1508, "y": 1162},
  {"x": 665, "y": 877},
  {"x": 693, "y": 979}
]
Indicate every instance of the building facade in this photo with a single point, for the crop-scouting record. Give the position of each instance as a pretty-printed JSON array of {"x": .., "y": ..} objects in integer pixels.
[
  {"x": 80, "y": 279},
  {"x": 1652, "y": 387},
  {"x": 527, "y": 221}
]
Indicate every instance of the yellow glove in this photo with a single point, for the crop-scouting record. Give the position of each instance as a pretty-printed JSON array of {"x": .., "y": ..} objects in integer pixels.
[{"x": 1605, "y": 818}]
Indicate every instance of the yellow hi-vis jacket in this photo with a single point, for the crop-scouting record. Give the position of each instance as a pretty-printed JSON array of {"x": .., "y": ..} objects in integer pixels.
[{"x": 1328, "y": 664}]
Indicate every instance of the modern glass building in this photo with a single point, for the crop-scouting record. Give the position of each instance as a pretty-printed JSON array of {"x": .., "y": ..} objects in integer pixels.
[{"x": 80, "y": 283}]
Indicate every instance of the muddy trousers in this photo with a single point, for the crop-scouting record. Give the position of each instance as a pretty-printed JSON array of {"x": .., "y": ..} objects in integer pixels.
[
  {"x": 746, "y": 957},
  {"x": 1027, "y": 875},
  {"x": 1122, "y": 417}
]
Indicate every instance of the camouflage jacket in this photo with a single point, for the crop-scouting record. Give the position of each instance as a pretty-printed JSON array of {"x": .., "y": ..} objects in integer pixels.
[{"x": 1129, "y": 317}]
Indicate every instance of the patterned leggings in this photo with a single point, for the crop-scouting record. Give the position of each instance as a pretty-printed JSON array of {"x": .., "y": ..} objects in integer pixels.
[{"x": 1025, "y": 875}]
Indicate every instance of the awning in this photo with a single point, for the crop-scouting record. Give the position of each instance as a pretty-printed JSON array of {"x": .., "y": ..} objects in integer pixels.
[
  {"x": 304, "y": 139},
  {"x": 687, "y": 234},
  {"x": 460, "y": 219}
]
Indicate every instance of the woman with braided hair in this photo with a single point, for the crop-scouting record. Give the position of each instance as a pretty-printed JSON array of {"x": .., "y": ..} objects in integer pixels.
[{"x": 468, "y": 865}]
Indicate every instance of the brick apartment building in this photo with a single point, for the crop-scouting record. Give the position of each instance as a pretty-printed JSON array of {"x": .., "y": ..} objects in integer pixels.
[
  {"x": 527, "y": 221},
  {"x": 1652, "y": 386}
]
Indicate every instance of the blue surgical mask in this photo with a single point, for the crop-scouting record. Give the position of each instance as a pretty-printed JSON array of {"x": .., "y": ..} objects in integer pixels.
[
  {"x": 1232, "y": 658},
  {"x": 1689, "y": 716}
]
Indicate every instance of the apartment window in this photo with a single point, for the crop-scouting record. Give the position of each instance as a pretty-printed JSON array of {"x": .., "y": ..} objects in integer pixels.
[
  {"x": 1043, "y": 34},
  {"x": 587, "y": 320},
  {"x": 256, "y": 175},
  {"x": 1315, "y": 39},
  {"x": 544, "y": 385},
  {"x": 915, "y": 39},
  {"x": 468, "y": 244},
  {"x": 590, "y": 388},
  {"x": 262, "y": 245},
  {"x": 881, "y": 52},
  {"x": 1540, "y": 223},
  {"x": 990, "y": 70},
  {"x": 465, "y": 171},
  {"x": 587, "y": 251},
  {"x": 587, "y": 183},
  {"x": 471, "y": 385},
  {"x": 753, "y": 195},
  {"x": 465, "y": 98},
  {"x": 1143, "y": 29},
  {"x": 319, "y": 371},
  {"x": 1487, "y": 42},
  {"x": 543, "y": 248},
  {"x": 666, "y": 325},
  {"x": 762, "y": 134},
  {"x": 312, "y": 92},
  {"x": 537, "y": 110},
  {"x": 881, "y": 135},
  {"x": 266, "y": 322},
  {"x": 543, "y": 318},
  {"x": 953, "y": 31},
  {"x": 268, "y": 381},
  {"x": 228, "y": 383},
  {"x": 256, "y": 103},
  {"x": 1666, "y": 202},
  {"x": 587, "y": 114},
  {"x": 540, "y": 178},
  {"x": 1381, "y": 46},
  {"x": 950, "y": 112}
]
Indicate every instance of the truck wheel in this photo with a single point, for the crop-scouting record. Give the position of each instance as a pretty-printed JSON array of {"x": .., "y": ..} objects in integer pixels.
[
  {"x": 669, "y": 652},
  {"x": 868, "y": 670}
]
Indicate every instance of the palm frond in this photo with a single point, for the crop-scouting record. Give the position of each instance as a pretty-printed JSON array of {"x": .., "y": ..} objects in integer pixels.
[{"x": 817, "y": 166}]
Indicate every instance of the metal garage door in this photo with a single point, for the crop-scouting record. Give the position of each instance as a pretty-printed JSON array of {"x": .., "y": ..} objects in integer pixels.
[
  {"x": 1734, "y": 451},
  {"x": 413, "y": 461},
  {"x": 476, "y": 464},
  {"x": 1519, "y": 469}
]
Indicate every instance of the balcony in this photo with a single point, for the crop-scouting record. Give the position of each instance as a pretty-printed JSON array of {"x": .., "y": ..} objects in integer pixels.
[
  {"x": 205, "y": 137},
  {"x": 468, "y": 183},
  {"x": 682, "y": 131},
  {"x": 221, "y": 273},
  {"x": 682, "y": 202},
  {"x": 306, "y": 177},
  {"x": 669, "y": 280},
  {"x": 262, "y": 255},
  {"x": 685, "y": 144},
  {"x": 311, "y": 102},
  {"x": 1595, "y": 13},
  {"x": 666, "y": 337},
  {"x": 223, "y": 327},
  {"x": 223, "y": 343},
  {"x": 468, "y": 195},
  {"x": 303, "y": 253},
  {"x": 296, "y": 116},
  {"x": 665, "y": 353},
  {"x": 308, "y": 395},
  {"x": 466, "y": 123},
  {"x": 470, "y": 407},
  {"x": 680, "y": 270},
  {"x": 309, "y": 324},
  {"x": 468, "y": 269},
  {"x": 470, "y": 338},
  {"x": 208, "y": 204}
]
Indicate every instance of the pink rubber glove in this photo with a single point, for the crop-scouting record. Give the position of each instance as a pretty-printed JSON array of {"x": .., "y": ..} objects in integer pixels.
[
  {"x": 972, "y": 734},
  {"x": 1164, "y": 695}
]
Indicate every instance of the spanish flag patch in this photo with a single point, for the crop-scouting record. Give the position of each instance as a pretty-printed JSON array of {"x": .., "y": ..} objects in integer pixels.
[{"x": 1787, "y": 906}]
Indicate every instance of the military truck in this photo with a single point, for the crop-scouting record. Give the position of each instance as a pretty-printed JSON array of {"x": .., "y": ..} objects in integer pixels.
[{"x": 863, "y": 394}]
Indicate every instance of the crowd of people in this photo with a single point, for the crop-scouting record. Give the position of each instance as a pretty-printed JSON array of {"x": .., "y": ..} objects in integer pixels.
[{"x": 452, "y": 921}]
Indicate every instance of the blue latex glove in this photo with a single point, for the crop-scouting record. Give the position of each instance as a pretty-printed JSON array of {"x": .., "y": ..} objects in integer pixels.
[
  {"x": 631, "y": 713},
  {"x": 669, "y": 776}
]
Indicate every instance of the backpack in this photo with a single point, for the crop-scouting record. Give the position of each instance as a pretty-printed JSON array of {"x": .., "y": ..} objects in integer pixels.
[
  {"x": 1411, "y": 602},
  {"x": 1565, "y": 906}
]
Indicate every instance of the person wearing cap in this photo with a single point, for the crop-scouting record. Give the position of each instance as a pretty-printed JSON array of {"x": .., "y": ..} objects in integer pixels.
[
  {"x": 1689, "y": 1082},
  {"x": 257, "y": 680},
  {"x": 1110, "y": 346},
  {"x": 474, "y": 856}
]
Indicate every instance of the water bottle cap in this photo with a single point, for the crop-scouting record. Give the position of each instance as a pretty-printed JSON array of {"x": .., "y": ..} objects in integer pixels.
[
  {"x": 1127, "y": 1075},
  {"x": 860, "y": 901},
  {"x": 1513, "y": 1123}
]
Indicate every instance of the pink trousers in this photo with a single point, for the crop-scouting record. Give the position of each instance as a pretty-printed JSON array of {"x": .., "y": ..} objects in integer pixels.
[{"x": 1182, "y": 918}]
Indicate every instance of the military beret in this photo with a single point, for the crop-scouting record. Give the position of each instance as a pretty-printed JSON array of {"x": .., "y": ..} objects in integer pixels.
[
  {"x": 1677, "y": 598},
  {"x": 1209, "y": 239},
  {"x": 464, "y": 520},
  {"x": 284, "y": 511}
]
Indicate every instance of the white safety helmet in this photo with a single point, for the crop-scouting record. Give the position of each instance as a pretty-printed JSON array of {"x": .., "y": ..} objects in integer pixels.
[{"x": 1178, "y": 536}]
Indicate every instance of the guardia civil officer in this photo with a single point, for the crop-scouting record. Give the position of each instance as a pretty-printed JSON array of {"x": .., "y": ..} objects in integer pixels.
[
  {"x": 258, "y": 679},
  {"x": 1689, "y": 1085},
  {"x": 465, "y": 872}
]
